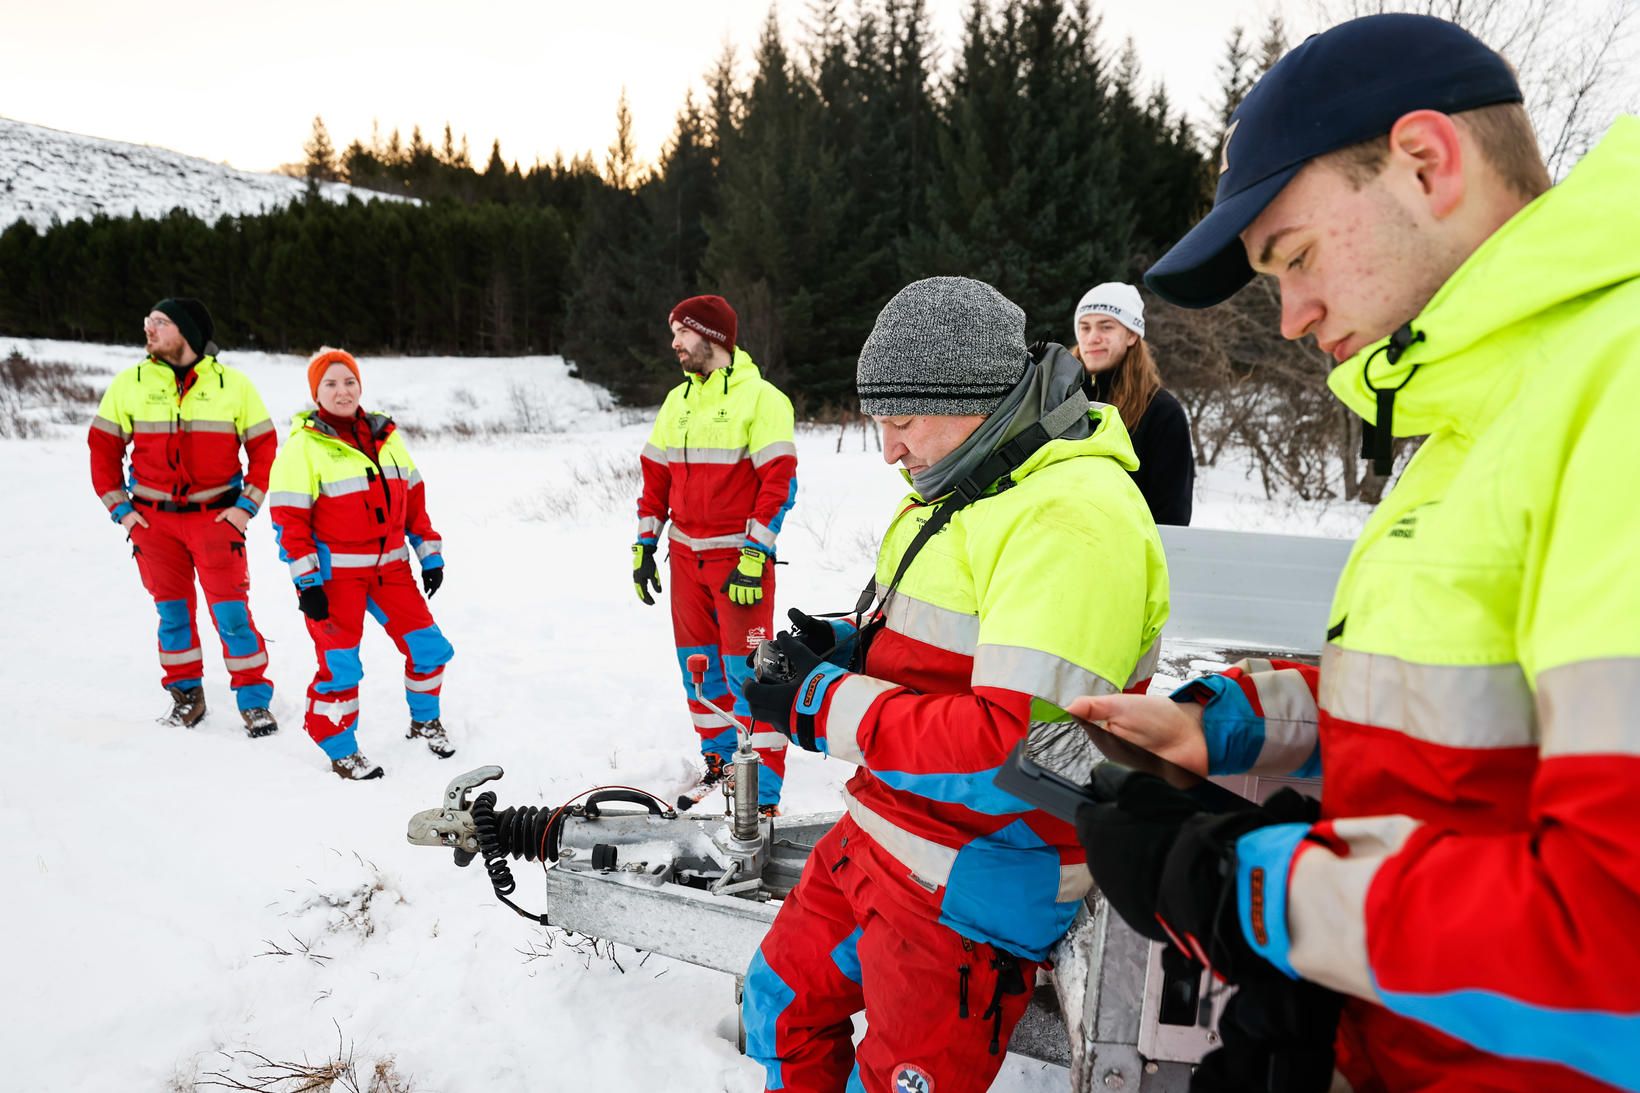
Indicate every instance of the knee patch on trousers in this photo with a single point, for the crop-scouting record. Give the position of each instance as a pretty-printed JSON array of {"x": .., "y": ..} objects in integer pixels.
[
  {"x": 233, "y": 624},
  {"x": 428, "y": 648},
  {"x": 345, "y": 669},
  {"x": 176, "y": 625}
]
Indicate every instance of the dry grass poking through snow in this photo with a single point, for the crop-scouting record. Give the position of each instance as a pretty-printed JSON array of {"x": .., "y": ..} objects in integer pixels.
[
  {"x": 36, "y": 395},
  {"x": 251, "y": 1070}
]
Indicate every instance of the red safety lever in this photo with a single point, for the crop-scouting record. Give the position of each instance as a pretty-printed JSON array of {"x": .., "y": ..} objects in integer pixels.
[{"x": 697, "y": 667}]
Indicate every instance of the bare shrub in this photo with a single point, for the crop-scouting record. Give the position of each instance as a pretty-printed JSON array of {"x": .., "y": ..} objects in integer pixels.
[
  {"x": 603, "y": 485},
  {"x": 36, "y": 395},
  {"x": 259, "y": 1073}
]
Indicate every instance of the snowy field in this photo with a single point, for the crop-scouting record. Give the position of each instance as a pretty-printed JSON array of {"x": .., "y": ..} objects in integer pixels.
[{"x": 178, "y": 899}]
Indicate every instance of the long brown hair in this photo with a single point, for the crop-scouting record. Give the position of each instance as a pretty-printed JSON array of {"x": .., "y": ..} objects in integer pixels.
[{"x": 1132, "y": 383}]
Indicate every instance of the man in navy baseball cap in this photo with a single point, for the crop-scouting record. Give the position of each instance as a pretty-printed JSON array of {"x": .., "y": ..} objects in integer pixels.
[
  {"x": 1468, "y": 885},
  {"x": 1337, "y": 89}
]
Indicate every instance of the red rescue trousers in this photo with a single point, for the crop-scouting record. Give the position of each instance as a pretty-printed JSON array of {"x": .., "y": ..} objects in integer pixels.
[
  {"x": 174, "y": 549},
  {"x": 939, "y": 1007},
  {"x": 388, "y": 594},
  {"x": 704, "y": 620}
]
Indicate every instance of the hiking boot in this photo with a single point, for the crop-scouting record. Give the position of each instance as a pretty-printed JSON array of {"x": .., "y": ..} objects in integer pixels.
[
  {"x": 769, "y": 812},
  {"x": 433, "y": 732},
  {"x": 259, "y": 721},
  {"x": 355, "y": 768},
  {"x": 716, "y": 773},
  {"x": 187, "y": 707}
]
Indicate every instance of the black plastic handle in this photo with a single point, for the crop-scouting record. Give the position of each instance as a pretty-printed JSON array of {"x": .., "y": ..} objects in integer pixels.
[{"x": 628, "y": 796}]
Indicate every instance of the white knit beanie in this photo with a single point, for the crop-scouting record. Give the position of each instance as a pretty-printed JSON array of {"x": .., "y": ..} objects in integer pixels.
[{"x": 1121, "y": 302}]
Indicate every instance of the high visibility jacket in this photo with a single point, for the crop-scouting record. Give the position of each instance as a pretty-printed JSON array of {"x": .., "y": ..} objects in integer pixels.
[
  {"x": 334, "y": 508},
  {"x": 1475, "y": 884},
  {"x": 184, "y": 433},
  {"x": 1053, "y": 587},
  {"x": 720, "y": 463}
]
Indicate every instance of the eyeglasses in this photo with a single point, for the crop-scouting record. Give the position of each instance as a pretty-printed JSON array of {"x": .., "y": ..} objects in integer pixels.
[{"x": 154, "y": 322}]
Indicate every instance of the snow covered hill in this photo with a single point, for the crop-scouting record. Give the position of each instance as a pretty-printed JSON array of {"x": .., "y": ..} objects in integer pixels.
[
  {"x": 175, "y": 899},
  {"x": 47, "y": 173}
]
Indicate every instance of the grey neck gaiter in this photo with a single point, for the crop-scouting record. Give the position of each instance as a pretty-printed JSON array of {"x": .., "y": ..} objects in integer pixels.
[{"x": 1045, "y": 385}]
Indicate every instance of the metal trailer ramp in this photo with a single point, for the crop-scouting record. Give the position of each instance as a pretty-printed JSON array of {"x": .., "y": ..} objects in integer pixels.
[{"x": 1110, "y": 1012}]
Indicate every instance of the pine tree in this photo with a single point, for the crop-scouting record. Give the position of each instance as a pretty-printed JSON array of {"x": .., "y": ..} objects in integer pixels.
[
  {"x": 1273, "y": 44},
  {"x": 621, "y": 166},
  {"x": 320, "y": 163},
  {"x": 1235, "y": 80}
]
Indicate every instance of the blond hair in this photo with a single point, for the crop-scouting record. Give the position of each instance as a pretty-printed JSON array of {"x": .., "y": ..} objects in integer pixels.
[{"x": 1503, "y": 132}]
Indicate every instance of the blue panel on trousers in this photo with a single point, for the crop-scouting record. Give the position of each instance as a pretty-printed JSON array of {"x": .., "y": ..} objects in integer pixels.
[
  {"x": 428, "y": 648},
  {"x": 341, "y": 745},
  {"x": 765, "y": 998},
  {"x": 847, "y": 956},
  {"x": 713, "y": 685},
  {"x": 1002, "y": 890},
  {"x": 376, "y": 612},
  {"x": 176, "y": 625},
  {"x": 233, "y": 625},
  {"x": 423, "y": 706},
  {"x": 258, "y": 696},
  {"x": 345, "y": 671}
]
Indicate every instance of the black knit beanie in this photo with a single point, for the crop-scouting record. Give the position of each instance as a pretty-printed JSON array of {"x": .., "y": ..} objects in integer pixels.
[{"x": 192, "y": 320}]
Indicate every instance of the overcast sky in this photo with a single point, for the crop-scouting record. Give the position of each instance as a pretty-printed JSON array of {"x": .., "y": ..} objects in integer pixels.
[{"x": 240, "y": 82}]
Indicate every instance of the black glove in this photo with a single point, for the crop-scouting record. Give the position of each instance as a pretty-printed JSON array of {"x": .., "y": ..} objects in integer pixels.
[
  {"x": 431, "y": 579},
  {"x": 643, "y": 571},
  {"x": 1169, "y": 869},
  {"x": 774, "y": 701},
  {"x": 1277, "y": 1037},
  {"x": 315, "y": 604},
  {"x": 822, "y": 638}
]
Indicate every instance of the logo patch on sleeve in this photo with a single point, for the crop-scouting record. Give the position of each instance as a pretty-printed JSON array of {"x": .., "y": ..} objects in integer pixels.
[{"x": 912, "y": 1079}]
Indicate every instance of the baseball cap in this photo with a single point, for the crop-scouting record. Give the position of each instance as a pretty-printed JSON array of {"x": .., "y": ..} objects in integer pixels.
[{"x": 1341, "y": 87}]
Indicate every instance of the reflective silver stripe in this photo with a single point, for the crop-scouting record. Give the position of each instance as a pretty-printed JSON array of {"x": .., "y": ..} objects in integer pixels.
[
  {"x": 1291, "y": 722},
  {"x": 759, "y": 534},
  {"x": 304, "y": 565},
  {"x": 431, "y": 683},
  {"x": 705, "y": 455},
  {"x": 649, "y": 525},
  {"x": 393, "y": 470},
  {"x": 1327, "y": 898},
  {"x": 1458, "y": 706},
  {"x": 187, "y": 656},
  {"x": 206, "y": 495},
  {"x": 704, "y": 544},
  {"x": 1034, "y": 672},
  {"x": 654, "y": 454},
  {"x": 1591, "y": 707},
  {"x": 429, "y": 547},
  {"x": 340, "y": 487},
  {"x": 1147, "y": 664},
  {"x": 707, "y": 721},
  {"x": 263, "y": 426},
  {"x": 166, "y": 426},
  {"x": 415, "y": 479},
  {"x": 769, "y": 741},
  {"x": 148, "y": 493},
  {"x": 114, "y": 497},
  {"x": 239, "y": 664},
  {"x": 290, "y": 499},
  {"x": 1075, "y": 882},
  {"x": 253, "y": 495},
  {"x": 929, "y": 861},
  {"x": 334, "y": 711},
  {"x": 941, "y": 627},
  {"x": 773, "y": 451},
  {"x": 103, "y": 424},
  {"x": 198, "y": 425},
  {"x": 851, "y": 699},
  {"x": 361, "y": 561}
]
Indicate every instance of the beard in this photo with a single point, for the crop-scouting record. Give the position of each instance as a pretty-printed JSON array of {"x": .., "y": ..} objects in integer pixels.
[{"x": 696, "y": 361}]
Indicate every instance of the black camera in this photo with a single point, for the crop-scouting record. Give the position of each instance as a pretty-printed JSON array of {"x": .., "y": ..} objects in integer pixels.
[{"x": 770, "y": 665}]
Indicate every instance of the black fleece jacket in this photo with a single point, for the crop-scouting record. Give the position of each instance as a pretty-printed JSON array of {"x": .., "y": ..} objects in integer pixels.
[{"x": 1167, "y": 462}]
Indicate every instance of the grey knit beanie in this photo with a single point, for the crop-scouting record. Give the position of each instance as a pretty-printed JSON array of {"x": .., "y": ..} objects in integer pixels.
[{"x": 943, "y": 345}]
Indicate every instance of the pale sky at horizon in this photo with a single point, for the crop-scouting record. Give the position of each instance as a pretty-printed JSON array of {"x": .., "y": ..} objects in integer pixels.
[{"x": 242, "y": 83}]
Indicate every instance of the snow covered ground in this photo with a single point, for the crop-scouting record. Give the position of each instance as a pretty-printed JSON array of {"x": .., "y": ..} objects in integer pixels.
[
  {"x": 50, "y": 174},
  {"x": 176, "y": 898}
]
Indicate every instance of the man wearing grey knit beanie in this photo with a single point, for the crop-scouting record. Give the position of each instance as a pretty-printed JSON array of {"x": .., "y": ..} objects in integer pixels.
[{"x": 1022, "y": 571}]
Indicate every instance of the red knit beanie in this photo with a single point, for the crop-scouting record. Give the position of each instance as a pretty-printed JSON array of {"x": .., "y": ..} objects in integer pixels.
[
  {"x": 322, "y": 360},
  {"x": 709, "y": 316}
]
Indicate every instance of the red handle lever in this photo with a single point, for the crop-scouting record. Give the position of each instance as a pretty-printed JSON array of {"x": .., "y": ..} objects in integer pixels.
[{"x": 697, "y": 666}]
